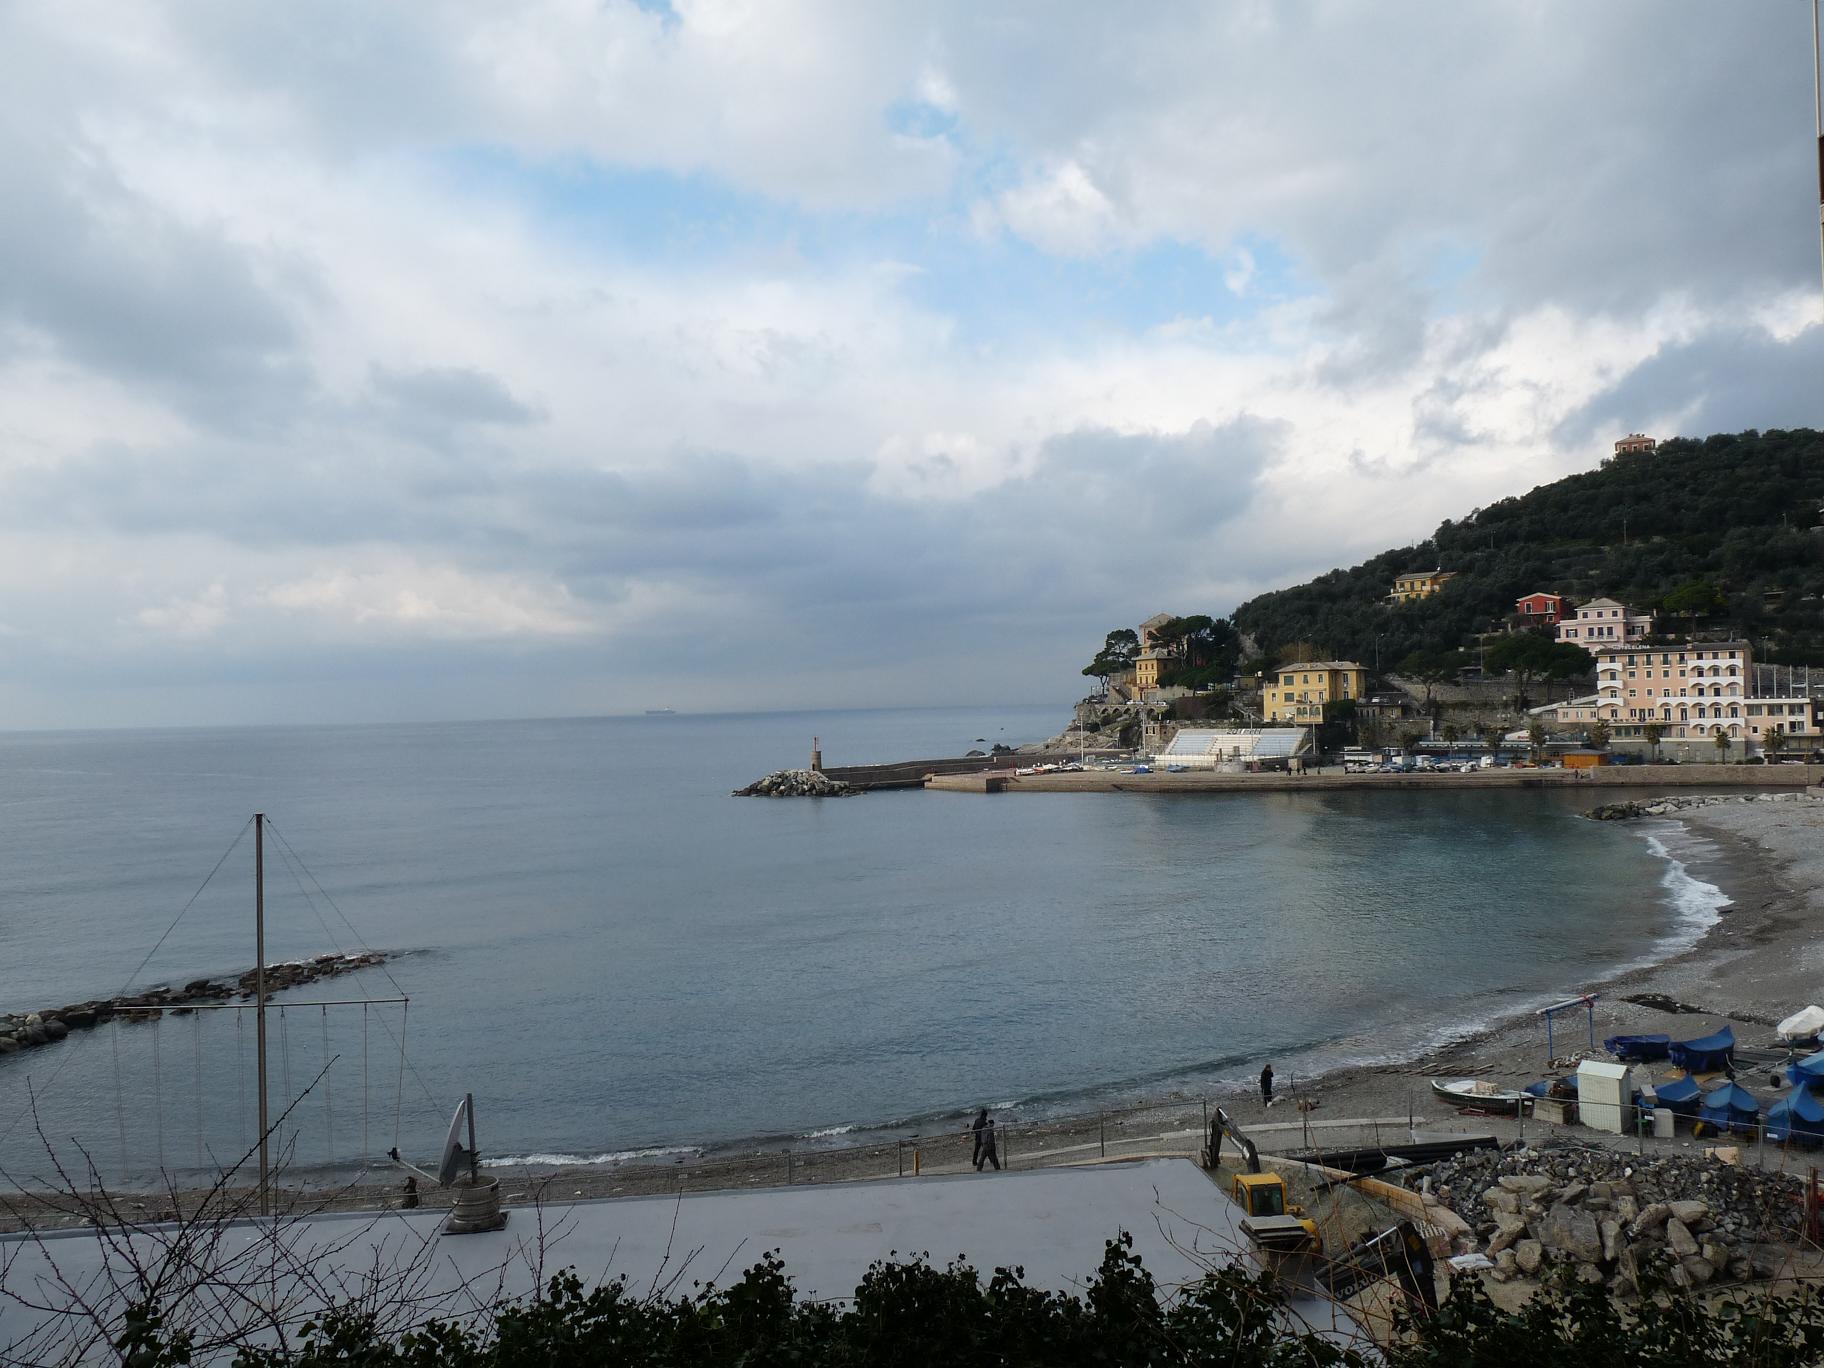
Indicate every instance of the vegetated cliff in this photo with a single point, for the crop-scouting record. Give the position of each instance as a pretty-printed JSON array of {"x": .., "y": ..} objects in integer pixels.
[{"x": 1717, "y": 532}]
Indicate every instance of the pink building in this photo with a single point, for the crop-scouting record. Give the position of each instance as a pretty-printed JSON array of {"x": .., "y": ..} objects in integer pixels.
[
  {"x": 1602, "y": 623},
  {"x": 1694, "y": 691}
]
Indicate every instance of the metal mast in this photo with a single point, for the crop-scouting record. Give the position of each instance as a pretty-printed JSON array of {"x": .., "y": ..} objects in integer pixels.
[
  {"x": 1817, "y": 98},
  {"x": 259, "y": 989}
]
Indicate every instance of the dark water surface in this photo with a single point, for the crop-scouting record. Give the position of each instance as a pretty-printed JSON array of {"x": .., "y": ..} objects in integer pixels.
[{"x": 613, "y": 954}]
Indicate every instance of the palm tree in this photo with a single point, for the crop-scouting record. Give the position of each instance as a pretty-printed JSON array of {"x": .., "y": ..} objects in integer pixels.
[
  {"x": 1536, "y": 735},
  {"x": 1654, "y": 733},
  {"x": 1599, "y": 736},
  {"x": 1722, "y": 745},
  {"x": 1773, "y": 740},
  {"x": 1451, "y": 732}
]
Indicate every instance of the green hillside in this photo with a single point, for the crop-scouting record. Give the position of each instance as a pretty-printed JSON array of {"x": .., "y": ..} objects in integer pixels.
[{"x": 1713, "y": 534}]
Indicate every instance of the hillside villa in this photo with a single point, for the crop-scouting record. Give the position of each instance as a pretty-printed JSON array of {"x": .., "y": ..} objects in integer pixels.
[
  {"x": 1540, "y": 610},
  {"x": 1419, "y": 584},
  {"x": 1604, "y": 622},
  {"x": 1298, "y": 693}
]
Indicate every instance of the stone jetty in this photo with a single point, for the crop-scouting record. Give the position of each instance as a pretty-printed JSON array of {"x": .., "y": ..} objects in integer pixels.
[
  {"x": 802, "y": 783},
  {"x": 1609, "y": 1217},
  {"x": 24, "y": 1031},
  {"x": 1673, "y": 805}
]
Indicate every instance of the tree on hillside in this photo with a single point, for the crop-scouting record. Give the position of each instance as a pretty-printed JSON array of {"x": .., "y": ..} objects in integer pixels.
[
  {"x": 1117, "y": 654},
  {"x": 1528, "y": 656},
  {"x": 1694, "y": 598},
  {"x": 1431, "y": 668},
  {"x": 1451, "y": 733},
  {"x": 1567, "y": 660},
  {"x": 1655, "y": 733},
  {"x": 1205, "y": 649}
]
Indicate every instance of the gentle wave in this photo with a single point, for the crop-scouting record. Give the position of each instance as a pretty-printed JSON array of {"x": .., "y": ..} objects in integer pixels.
[{"x": 587, "y": 1160}]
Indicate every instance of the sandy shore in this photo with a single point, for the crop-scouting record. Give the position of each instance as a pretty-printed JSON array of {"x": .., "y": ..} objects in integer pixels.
[{"x": 1760, "y": 963}]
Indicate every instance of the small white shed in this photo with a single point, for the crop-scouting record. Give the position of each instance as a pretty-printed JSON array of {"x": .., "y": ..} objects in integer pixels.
[{"x": 1605, "y": 1096}]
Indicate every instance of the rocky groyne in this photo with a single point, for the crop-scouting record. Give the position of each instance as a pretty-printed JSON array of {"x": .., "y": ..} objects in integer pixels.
[
  {"x": 797, "y": 784},
  {"x": 1673, "y": 805},
  {"x": 1615, "y": 1218},
  {"x": 24, "y": 1031}
]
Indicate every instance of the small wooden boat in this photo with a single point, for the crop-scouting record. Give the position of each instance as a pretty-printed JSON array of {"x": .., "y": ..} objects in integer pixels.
[{"x": 1472, "y": 1094}]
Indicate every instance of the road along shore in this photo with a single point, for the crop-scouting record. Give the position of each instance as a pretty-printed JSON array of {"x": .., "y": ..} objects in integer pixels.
[{"x": 1214, "y": 781}]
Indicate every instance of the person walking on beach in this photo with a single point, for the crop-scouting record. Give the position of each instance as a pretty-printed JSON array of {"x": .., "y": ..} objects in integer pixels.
[
  {"x": 982, "y": 1123},
  {"x": 988, "y": 1150},
  {"x": 1266, "y": 1086}
]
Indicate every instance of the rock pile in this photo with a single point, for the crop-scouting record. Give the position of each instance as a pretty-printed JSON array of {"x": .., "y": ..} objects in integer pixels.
[
  {"x": 1666, "y": 807},
  {"x": 25, "y": 1031},
  {"x": 797, "y": 784},
  {"x": 1612, "y": 1217}
]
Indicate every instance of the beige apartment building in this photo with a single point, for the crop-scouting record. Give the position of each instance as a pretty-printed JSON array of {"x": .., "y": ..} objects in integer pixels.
[{"x": 1694, "y": 690}]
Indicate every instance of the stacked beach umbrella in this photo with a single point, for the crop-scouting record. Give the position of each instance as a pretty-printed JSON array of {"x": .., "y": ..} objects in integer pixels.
[{"x": 1800, "y": 1114}]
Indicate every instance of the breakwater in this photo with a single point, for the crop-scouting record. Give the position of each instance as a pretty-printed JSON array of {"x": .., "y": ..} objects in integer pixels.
[
  {"x": 26, "y": 1030},
  {"x": 1212, "y": 781}
]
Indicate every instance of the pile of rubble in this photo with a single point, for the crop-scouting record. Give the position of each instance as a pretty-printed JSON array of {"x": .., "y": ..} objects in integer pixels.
[
  {"x": 23, "y": 1031},
  {"x": 1614, "y": 1216},
  {"x": 797, "y": 784}
]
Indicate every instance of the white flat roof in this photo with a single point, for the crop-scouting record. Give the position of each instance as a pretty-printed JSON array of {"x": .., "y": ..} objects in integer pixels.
[{"x": 1053, "y": 1222}]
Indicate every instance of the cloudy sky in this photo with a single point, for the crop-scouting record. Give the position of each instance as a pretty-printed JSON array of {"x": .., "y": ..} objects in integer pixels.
[{"x": 366, "y": 360}]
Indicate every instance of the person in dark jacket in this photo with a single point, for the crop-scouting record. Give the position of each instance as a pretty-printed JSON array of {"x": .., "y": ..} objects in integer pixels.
[
  {"x": 982, "y": 1123},
  {"x": 988, "y": 1149},
  {"x": 1266, "y": 1086}
]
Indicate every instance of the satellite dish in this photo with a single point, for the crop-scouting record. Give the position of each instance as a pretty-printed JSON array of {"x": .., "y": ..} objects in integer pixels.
[
  {"x": 454, "y": 1155},
  {"x": 454, "y": 1158}
]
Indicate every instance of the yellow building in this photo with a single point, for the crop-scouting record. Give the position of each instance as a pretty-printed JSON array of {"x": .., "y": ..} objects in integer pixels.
[
  {"x": 1418, "y": 584},
  {"x": 1297, "y": 693},
  {"x": 1146, "y": 669}
]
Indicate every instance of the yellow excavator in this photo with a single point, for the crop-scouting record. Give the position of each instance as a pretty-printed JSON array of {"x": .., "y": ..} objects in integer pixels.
[
  {"x": 1289, "y": 1241},
  {"x": 1272, "y": 1223}
]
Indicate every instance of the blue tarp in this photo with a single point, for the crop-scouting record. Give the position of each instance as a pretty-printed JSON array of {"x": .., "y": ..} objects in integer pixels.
[
  {"x": 1543, "y": 1088},
  {"x": 1638, "y": 1049},
  {"x": 1681, "y": 1095},
  {"x": 1797, "y": 1116},
  {"x": 1808, "y": 1070},
  {"x": 1706, "y": 1054},
  {"x": 1729, "y": 1106}
]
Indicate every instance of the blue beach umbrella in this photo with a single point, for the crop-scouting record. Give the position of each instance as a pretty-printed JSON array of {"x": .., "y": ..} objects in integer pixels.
[
  {"x": 1729, "y": 1106},
  {"x": 1797, "y": 1116}
]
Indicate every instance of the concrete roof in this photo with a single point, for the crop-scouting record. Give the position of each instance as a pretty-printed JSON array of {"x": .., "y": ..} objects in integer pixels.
[{"x": 1054, "y": 1222}]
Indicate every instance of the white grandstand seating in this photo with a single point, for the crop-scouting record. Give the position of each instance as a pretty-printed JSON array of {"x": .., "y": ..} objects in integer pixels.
[{"x": 1207, "y": 747}]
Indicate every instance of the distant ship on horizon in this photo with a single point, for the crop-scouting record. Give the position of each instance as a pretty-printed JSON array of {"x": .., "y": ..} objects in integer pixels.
[{"x": 661, "y": 712}]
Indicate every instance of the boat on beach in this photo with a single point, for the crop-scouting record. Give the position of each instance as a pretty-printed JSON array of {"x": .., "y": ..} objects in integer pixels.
[{"x": 1473, "y": 1094}]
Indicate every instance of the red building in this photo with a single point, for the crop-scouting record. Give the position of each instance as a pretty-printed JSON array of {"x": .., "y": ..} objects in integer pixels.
[{"x": 1542, "y": 610}]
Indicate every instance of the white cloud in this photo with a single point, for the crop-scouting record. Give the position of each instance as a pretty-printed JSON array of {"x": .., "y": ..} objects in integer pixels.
[
  {"x": 435, "y": 601},
  {"x": 188, "y": 618}
]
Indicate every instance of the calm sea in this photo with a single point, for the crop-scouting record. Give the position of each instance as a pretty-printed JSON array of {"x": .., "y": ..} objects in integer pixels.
[{"x": 614, "y": 955}]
